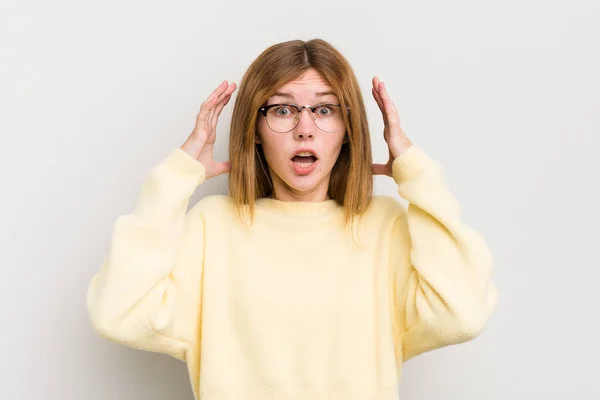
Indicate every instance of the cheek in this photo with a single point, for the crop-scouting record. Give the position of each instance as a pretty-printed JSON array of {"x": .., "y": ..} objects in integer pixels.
[
  {"x": 334, "y": 147},
  {"x": 274, "y": 149}
]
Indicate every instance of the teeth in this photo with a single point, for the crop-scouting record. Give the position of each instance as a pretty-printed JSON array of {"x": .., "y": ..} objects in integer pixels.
[
  {"x": 303, "y": 165},
  {"x": 305, "y": 154}
]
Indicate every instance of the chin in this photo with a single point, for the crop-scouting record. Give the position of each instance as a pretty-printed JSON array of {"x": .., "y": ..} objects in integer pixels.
[
  {"x": 304, "y": 183},
  {"x": 302, "y": 179}
]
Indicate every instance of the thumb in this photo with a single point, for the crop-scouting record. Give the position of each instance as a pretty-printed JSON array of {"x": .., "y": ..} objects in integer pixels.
[
  {"x": 224, "y": 167},
  {"x": 379, "y": 169}
]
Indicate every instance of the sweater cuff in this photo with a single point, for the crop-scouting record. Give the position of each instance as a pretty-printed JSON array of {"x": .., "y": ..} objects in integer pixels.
[
  {"x": 182, "y": 164},
  {"x": 409, "y": 164}
]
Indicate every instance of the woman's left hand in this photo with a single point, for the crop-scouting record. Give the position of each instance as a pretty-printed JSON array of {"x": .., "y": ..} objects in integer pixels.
[{"x": 393, "y": 134}]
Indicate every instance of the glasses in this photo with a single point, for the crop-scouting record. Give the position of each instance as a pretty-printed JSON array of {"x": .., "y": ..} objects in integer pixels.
[{"x": 283, "y": 118}]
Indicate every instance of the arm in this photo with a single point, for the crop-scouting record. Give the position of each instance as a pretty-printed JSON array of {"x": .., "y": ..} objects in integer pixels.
[
  {"x": 147, "y": 292},
  {"x": 441, "y": 267}
]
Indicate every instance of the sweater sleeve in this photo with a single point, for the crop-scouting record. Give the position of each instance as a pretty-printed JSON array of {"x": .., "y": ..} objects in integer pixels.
[
  {"x": 442, "y": 268},
  {"x": 146, "y": 294}
]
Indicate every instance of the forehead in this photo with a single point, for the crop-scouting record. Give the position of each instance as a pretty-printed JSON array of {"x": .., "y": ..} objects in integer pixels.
[{"x": 310, "y": 84}]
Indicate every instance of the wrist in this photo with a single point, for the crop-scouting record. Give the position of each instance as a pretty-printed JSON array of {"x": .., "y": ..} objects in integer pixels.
[
  {"x": 400, "y": 148},
  {"x": 409, "y": 164},
  {"x": 193, "y": 149}
]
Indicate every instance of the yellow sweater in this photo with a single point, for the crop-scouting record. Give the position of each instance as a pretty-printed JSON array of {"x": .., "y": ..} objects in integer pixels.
[{"x": 291, "y": 307}]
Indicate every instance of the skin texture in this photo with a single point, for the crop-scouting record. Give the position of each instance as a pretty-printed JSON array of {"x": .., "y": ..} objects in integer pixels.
[{"x": 279, "y": 148}]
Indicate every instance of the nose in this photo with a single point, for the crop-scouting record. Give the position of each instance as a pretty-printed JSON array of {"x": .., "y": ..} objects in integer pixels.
[{"x": 306, "y": 126}]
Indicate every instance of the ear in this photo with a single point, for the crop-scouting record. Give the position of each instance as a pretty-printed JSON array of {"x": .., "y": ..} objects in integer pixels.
[
  {"x": 345, "y": 139},
  {"x": 257, "y": 138}
]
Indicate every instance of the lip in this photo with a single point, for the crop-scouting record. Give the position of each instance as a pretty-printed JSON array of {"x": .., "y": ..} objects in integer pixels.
[{"x": 303, "y": 171}]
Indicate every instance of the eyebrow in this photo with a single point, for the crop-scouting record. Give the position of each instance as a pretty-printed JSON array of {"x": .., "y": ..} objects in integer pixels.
[{"x": 290, "y": 96}]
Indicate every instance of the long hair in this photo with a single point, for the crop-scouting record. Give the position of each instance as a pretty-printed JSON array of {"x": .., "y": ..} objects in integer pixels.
[{"x": 351, "y": 183}]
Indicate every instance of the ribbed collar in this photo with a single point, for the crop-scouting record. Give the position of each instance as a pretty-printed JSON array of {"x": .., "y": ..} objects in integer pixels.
[{"x": 299, "y": 208}]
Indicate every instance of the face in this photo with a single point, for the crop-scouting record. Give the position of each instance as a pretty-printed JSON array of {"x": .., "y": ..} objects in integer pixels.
[{"x": 295, "y": 178}]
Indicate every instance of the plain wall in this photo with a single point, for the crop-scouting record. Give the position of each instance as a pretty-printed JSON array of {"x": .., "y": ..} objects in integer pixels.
[{"x": 504, "y": 95}]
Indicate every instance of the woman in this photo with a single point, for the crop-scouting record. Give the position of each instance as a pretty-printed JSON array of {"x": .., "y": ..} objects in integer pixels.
[{"x": 299, "y": 284}]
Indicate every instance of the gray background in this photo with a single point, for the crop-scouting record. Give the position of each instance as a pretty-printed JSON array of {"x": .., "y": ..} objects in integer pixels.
[{"x": 503, "y": 94}]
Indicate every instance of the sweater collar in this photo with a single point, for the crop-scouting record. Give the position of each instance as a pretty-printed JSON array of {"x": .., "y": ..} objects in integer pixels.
[{"x": 299, "y": 208}]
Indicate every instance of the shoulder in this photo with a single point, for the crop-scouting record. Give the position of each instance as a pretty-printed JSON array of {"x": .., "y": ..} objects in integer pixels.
[
  {"x": 382, "y": 214},
  {"x": 214, "y": 204},
  {"x": 385, "y": 207}
]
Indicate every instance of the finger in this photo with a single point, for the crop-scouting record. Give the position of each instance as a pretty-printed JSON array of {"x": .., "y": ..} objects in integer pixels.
[
  {"x": 376, "y": 81},
  {"x": 386, "y": 97},
  {"x": 379, "y": 86},
  {"x": 216, "y": 94},
  {"x": 380, "y": 105},
  {"x": 377, "y": 99},
  {"x": 223, "y": 167},
  {"x": 383, "y": 94},
  {"x": 220, "y": 89},
  {"x": 375, "y": 90},
  {"x": 390, "y": 108},
  {"x": 211, "y": 101},
  {"x": 379, "y": 169},
  {"x": 385, "y": 103},
  {"x": 223, "y": 100},
  {"x": 217, "y": 110},
  {"x": 228, "y": 91}
]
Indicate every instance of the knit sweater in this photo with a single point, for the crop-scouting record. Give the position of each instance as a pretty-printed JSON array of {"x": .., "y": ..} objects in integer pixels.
[{"x": 293, "y": 306}]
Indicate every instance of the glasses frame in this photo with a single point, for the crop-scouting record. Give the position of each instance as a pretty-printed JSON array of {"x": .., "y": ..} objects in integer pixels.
[{"x": 263, "y": 110}]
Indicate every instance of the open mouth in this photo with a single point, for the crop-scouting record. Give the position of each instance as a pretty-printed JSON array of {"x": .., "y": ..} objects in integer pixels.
[
  {"x": 304, "y": 159},
  {"x": 304, "y": 162}
]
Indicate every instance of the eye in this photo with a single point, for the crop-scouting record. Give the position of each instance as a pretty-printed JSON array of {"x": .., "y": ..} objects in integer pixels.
[
  {"x": 324, "y": 111},
  {"x": 283, "y": 111}
]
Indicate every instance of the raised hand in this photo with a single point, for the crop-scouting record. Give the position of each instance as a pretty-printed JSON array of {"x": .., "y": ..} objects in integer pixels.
[
  {"x": 393, "y": 134},
  {"x": 200, "y": 143}
]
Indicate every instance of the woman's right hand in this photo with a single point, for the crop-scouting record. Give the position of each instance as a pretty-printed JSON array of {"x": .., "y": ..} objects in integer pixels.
[{"x": 200, "y": 143}]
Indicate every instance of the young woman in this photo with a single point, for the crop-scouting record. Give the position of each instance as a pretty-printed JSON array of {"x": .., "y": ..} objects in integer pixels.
[{"x": 299, "y": 284}]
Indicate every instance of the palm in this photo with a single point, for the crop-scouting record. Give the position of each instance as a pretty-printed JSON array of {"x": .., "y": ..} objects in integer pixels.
[
  {"x": 206, "y": 157},
  {"x": 393, "y": 134},
  {"x": 201, "y": 141}
]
